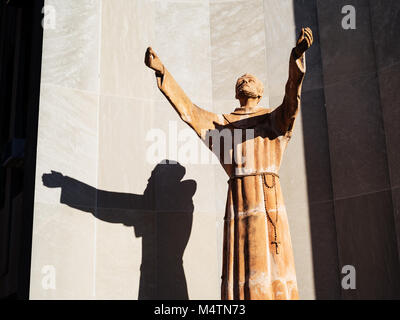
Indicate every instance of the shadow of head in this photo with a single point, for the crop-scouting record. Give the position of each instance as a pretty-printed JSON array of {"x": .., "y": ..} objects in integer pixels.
[
  {"x": 168, "y": 207},
  {"x": 166, "y": 191}
]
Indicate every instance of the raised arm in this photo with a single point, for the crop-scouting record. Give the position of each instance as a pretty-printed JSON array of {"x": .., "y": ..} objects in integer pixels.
[
  {"x": 286, "y": 113},
  {"x": 199, "y": 119}
]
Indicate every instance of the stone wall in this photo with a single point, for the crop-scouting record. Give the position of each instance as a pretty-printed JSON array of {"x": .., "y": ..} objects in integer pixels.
[{"x": 117, "y": 210}]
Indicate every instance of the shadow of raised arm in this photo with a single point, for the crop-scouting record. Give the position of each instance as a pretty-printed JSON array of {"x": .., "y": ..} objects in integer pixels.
[{"x": 114, "y": 207}]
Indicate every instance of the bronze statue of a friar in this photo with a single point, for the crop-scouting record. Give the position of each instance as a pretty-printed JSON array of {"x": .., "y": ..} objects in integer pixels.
[{"x": 258, "y": 260}]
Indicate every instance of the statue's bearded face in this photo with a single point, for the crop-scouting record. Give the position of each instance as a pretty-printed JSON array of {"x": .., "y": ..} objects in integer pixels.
[{"x": 249, "y": 86}]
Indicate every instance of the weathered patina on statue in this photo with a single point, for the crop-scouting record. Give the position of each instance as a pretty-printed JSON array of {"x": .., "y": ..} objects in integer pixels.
[{"x": 258, "y": 258}]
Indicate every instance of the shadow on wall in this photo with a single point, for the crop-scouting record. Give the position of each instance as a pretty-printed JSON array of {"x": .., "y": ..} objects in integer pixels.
[
  {"x": 317, "y": 158},
  {"x": 346, "y": 146},
  {"x": 162, "y": 216}
]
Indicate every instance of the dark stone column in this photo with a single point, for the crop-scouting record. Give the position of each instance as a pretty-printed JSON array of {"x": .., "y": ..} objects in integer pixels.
[
  {"x": 317, "y": 158},
  {"x": 359, "y": 160},
  {"x": 385, "y": 22}
]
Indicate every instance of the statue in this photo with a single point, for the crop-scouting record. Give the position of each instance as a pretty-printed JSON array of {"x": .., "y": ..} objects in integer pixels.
[{"x": 258, "y": 260}]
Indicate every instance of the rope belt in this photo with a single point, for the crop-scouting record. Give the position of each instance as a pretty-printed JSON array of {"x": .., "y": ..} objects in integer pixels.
[{"x": 264, "y": 175}]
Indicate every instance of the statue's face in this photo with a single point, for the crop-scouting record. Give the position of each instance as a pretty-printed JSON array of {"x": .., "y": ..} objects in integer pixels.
[{"x": 249, "y": 86}]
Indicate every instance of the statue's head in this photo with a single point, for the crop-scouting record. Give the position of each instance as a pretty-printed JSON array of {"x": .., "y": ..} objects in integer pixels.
[{"x": 249, "y": 86}]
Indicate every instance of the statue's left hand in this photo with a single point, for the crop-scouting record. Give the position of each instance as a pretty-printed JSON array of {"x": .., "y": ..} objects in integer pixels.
[{"x": 304, "y": 42}]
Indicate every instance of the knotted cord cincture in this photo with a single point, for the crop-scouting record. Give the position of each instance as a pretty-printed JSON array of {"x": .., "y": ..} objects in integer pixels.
[{"x": 276, "y": 243}]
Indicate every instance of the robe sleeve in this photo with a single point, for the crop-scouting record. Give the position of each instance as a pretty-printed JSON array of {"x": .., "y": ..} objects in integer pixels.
[
  {"x": 285, "y": 114},
  {"x": 200, "y": 120}
]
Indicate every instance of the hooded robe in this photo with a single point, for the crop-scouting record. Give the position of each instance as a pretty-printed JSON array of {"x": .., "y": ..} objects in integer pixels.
[{"x": 258, "y": 260}]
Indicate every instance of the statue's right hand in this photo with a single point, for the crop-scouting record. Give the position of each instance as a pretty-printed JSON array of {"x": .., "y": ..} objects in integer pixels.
[{"x": 153, "y": 61}]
